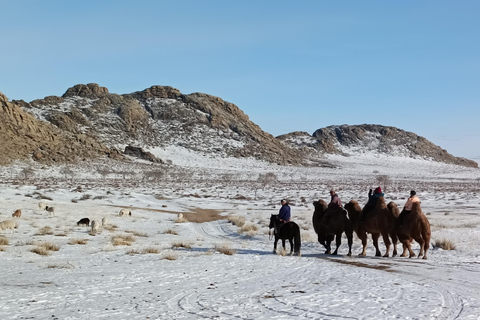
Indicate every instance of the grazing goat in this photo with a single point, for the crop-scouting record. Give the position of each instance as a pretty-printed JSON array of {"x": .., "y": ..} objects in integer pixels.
[
  {"x": 83, "y": 222},
  {"x": 17, "y": 213},
  {"x": 42, "y": 205},
  {"x": 124, "y": 212},
  {"x": 51, "y": 210},
  {"x": 95, "y": 226},
  {"x": 105, "y": 221},
  {"x": 8, "y": 224}
]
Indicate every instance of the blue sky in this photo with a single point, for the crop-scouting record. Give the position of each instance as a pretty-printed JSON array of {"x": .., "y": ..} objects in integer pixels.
[{"x": 289, "y": 65}]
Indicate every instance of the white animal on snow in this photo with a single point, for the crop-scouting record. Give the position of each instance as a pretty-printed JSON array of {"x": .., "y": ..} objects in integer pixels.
[
  {"x": 95, "y": 226},
  {"x": 8, "y": 224},
  {"x": 42, "y": 205},
  {"x": 124, "y": 212},
  {"x": 105, "y": 221},
  {"x": 180, "y": 216}
]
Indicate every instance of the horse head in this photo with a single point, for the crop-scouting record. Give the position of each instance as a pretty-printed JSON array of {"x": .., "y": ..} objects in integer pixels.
[{"x": 273, "y": 221}]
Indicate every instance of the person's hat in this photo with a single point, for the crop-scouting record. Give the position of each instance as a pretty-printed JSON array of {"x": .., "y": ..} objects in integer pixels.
[
  {"x": 378, "y": 190},
  {"x": 412, "y": 193}
]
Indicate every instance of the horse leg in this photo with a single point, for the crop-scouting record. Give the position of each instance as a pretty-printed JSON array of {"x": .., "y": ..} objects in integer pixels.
[
  {"x": 375, "y": 237},
  {"x": 275, "y": 245},
  {"x": 291, "y": 245},
  {"x": 283, "y": 245}
]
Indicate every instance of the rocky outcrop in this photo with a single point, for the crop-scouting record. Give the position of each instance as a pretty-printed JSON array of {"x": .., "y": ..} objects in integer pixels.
[
  {"x": 25, "y": 137},
  {"x": 139, "y": 153},
  {"x": 389, "y": 140}
]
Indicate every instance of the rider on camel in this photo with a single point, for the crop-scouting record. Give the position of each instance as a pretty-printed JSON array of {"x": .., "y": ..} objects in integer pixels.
[
  {"x": 408, "y": 207},
  {"x": 372, "y": 200}
]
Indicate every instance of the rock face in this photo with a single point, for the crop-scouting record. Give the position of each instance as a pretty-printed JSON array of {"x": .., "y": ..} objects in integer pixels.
[
  {"x": 23, "y": 136},
  {"x": 345, "y": 139}
]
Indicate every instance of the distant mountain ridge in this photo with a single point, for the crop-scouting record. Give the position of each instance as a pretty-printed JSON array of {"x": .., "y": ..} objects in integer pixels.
[{"x": 90, "y": 122}]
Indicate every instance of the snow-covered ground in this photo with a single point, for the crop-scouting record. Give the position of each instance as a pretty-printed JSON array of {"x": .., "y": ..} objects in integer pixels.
[{"x": 167, "y": 268}]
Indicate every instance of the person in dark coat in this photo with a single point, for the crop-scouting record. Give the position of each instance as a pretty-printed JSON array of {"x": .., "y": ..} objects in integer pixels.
[
  {"x": 372, "y": 201},
  {"x": 284, "y": 213}
]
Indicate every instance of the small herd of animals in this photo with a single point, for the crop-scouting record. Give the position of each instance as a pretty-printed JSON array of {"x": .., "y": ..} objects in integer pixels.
[
  {"x": 383, "y": 220},
  {"x": 85, "y": 222}
]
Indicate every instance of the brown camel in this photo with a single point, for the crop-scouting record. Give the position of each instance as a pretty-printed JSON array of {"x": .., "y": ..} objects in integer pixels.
[
  {"x": 379, "y": 221},
  {"x": 329, "y": 223},
  {"x": 415, "y": 225}
]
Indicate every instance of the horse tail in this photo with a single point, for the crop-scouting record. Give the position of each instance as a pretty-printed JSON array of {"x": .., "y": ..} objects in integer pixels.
[{"x": 297, "y": 242}]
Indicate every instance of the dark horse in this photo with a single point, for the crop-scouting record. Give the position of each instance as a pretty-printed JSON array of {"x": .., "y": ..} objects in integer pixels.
[
  {"x": 287, "y": 230},
  {"x": 329, "y": 223}
]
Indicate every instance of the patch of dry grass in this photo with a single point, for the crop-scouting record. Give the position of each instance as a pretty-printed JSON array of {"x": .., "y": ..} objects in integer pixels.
[
  {"x": 236, "y": 220},
  {"x": 248, "y": 228},
  {"x": 181, "y": 220},
  {"x": 133, "y": 251},
  {"x": 41, "y": 251},
  {"x": 225, "y": 249},
  {"x": 45, "y": 231},
  {"x": 138, "y": 233},
  {"x": 170, "y": 256},
  {"x": 182, "y": 244},
  {"x": 151, "y": 250},
  {"x": 444, "y": 244},
  {"x": 49, "y": 246},
  {"x": 171, "y": 231},
  {"x": 282, "y": 252},
  {"x": 4, "y": 241},
  {"x": 123, "y": 240},
  {"x": 78, "y": 241}
]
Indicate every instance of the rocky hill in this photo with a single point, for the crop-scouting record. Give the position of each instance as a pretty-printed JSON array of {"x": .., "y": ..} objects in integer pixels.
[
  {"x": 90, "y": 122},
  {"x": 347, "y": 140},
  {"x": 155, "y": 117}
]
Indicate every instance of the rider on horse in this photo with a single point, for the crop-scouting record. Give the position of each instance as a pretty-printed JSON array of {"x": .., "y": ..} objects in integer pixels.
[{"x": 284, "y": 213}]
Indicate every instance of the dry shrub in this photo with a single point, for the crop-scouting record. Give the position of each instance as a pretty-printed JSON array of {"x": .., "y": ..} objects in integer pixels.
[
  {"x": 236, "y": 220},
  {"x": 41, "y": 251},
  {"x": 78, "y": 241},
  {"x": 444, "y": 244},
  {"x": 170, "y": 256},
  {"x": 47, "y": 230},
  {"x": 151, "y": 250},
  {"x": 4, "y": 241},
  {"x": 2, "y": 249},
  {"x": 61, "y": 234},
  {"x": 171, "y": 231},
  {"x": 248, "y": 228},
  {"x": 225, "y": 249},
  {"x": 138, "y": 233},
  {"x": 133, "y": 251},
  {"x": 122, "y": 240},
  {"x": 182, "y": 244},
  {"x": 49, "y": 246}
]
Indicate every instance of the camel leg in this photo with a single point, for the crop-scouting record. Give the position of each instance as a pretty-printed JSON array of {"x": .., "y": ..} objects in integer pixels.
[
  {"x": 338, "y": 242},
  {"x": 394, "y": 241},
  {"x": 375, "y": 237},
  {"x": 404, "y": 253},
  {"x": 386, "y": 239},
  {"x": 421, "y": 242},
  {"x": 350, "y": 243},
  {"x": 363, "y": 237}
]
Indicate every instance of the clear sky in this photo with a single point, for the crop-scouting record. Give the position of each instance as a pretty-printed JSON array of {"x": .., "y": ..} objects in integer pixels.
[{"x": 289, "y": 65}]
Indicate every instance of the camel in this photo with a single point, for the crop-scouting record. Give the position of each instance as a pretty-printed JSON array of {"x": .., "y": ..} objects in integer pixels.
[
  {"x": 415, "y": 226},
  {"x": 329, "y": 223},
  {"x": 379, "y": 221}
]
